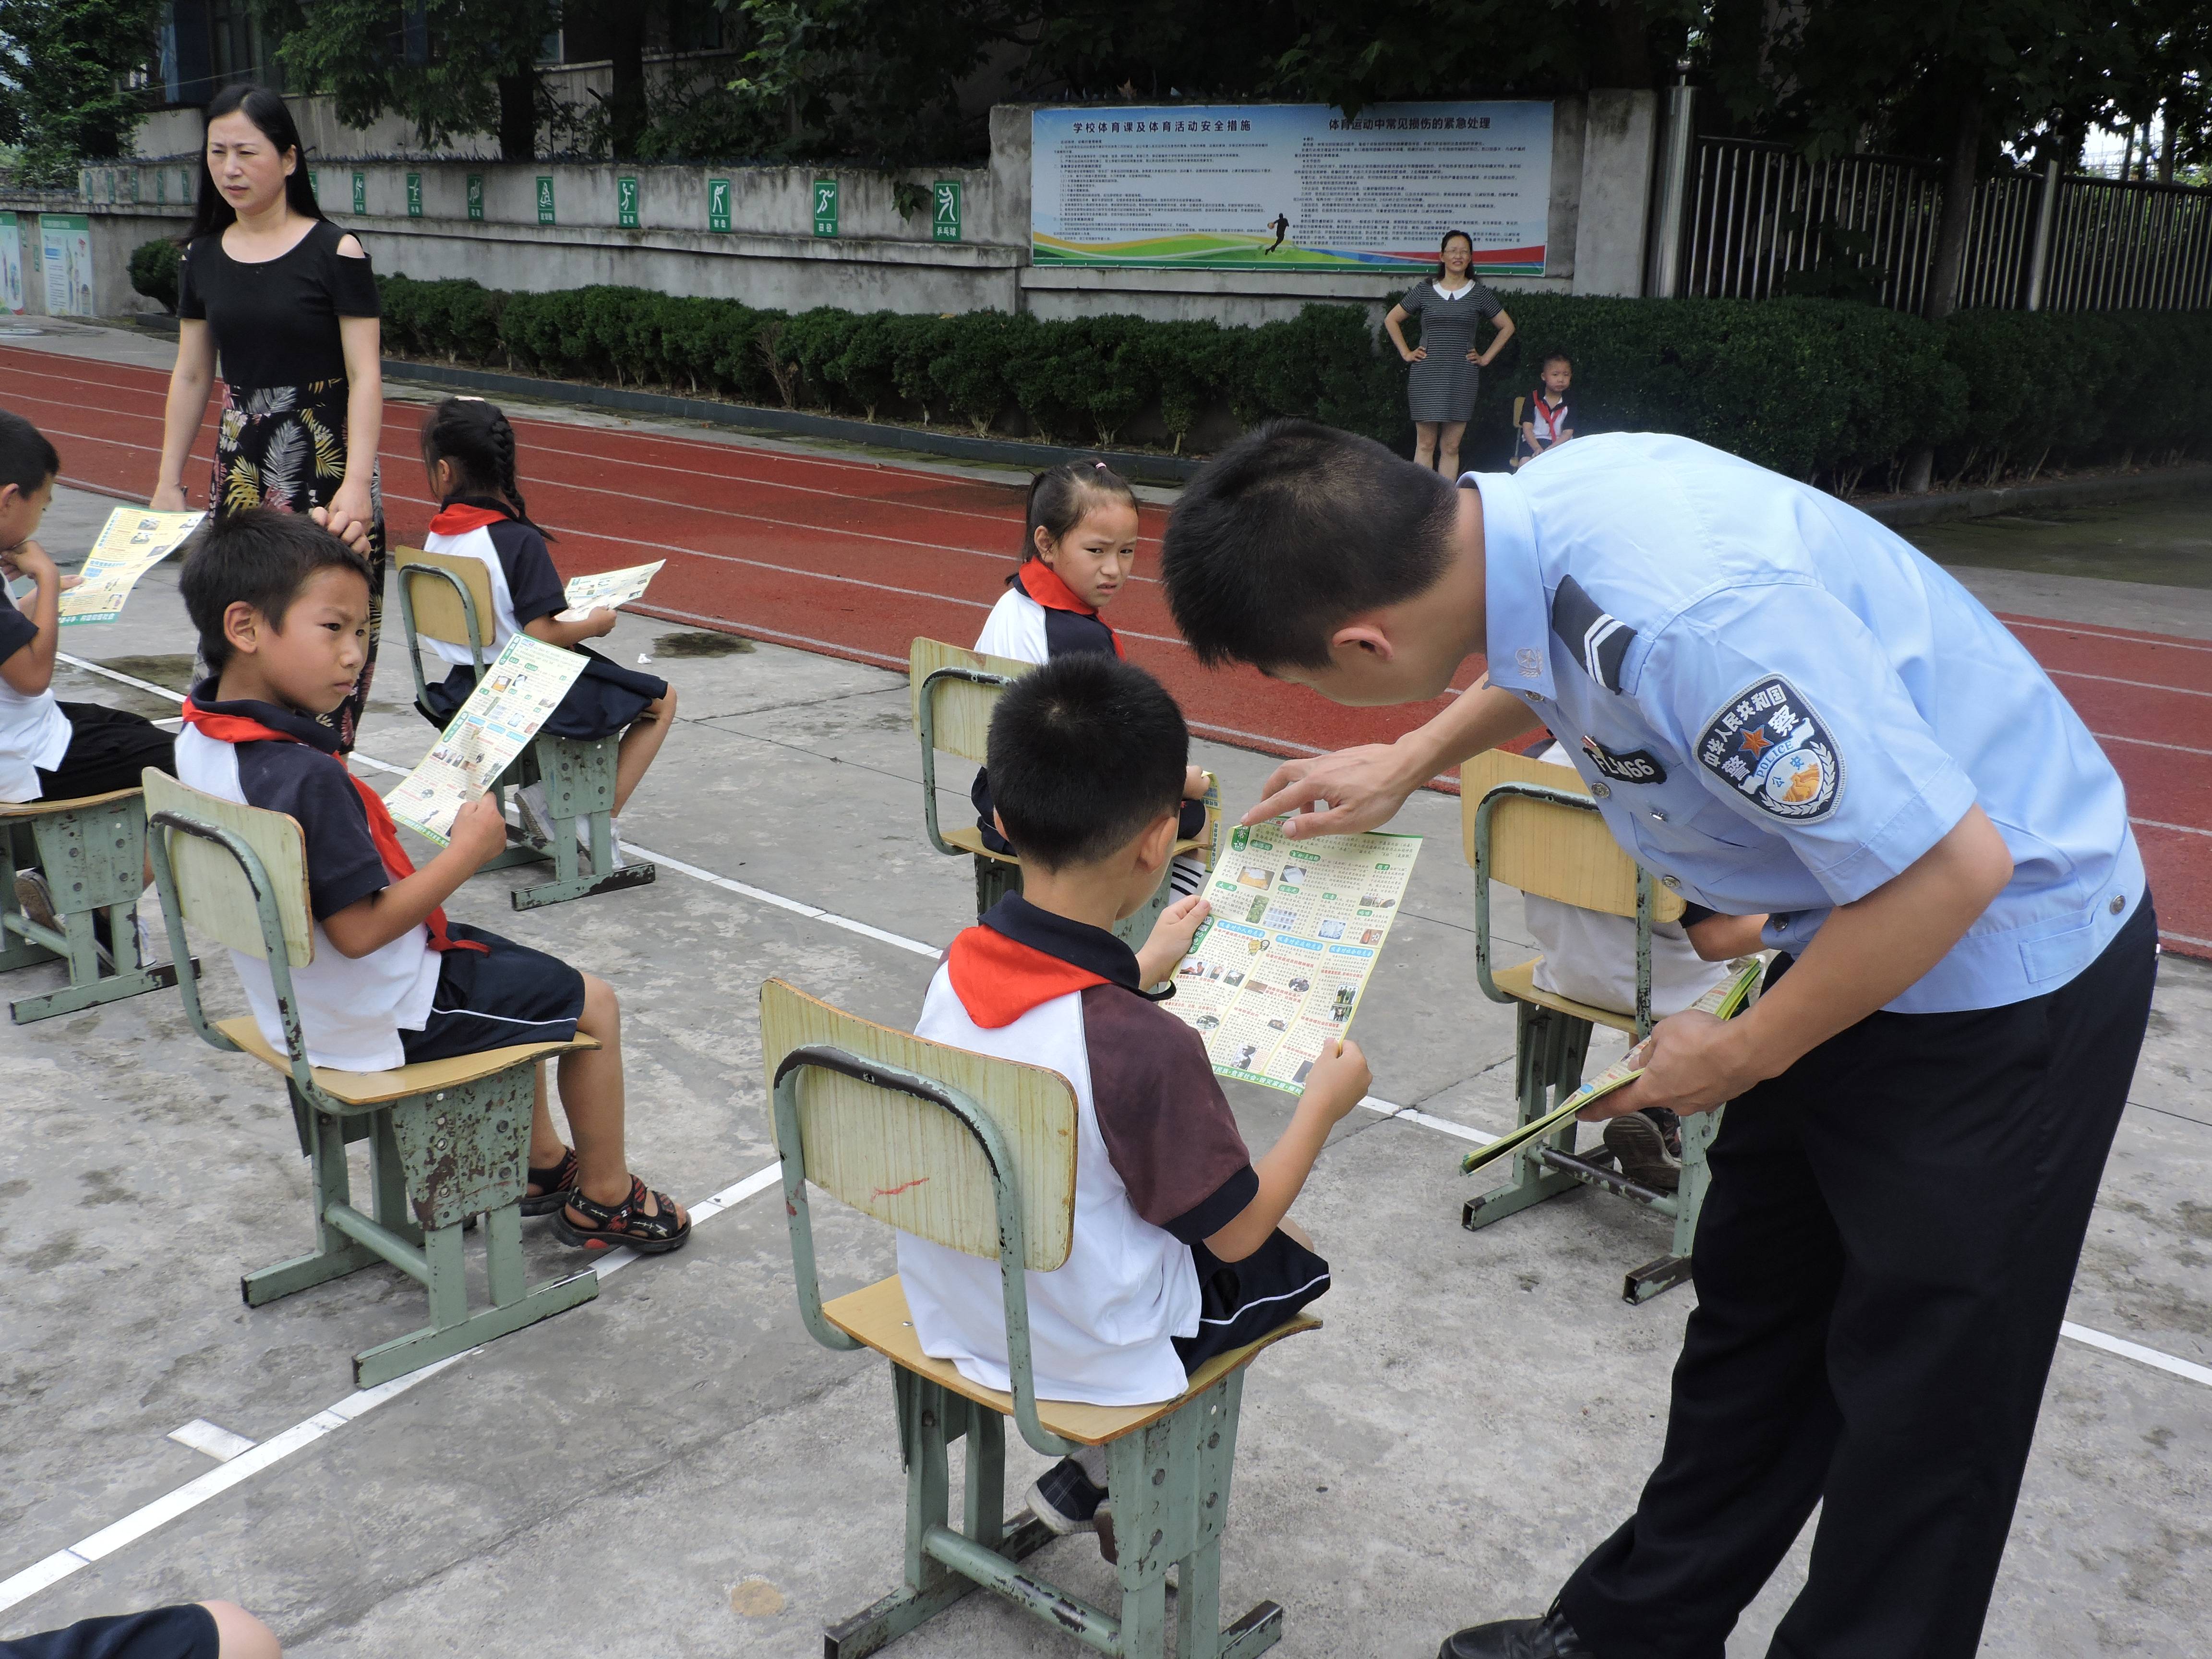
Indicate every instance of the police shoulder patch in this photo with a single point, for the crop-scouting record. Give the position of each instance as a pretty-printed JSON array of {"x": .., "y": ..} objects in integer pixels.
[{"x": 1767, "y": 743}]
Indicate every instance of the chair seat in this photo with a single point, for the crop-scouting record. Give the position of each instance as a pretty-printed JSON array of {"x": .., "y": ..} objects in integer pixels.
[
  {"x": 970, "y": 839},
  {"x": 878, "y": 1316},
  {"x": 1521, "y": 982},
  {"x": 378, "y": 1088},
  {"x": 32, "y": 809}
]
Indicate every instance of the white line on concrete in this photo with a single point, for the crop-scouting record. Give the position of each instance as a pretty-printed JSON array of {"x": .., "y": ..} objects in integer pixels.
[
  {"x": 252, "y": 1459},
  {"x": 215, "y": 1441},
  {"x": 2135, "y": 1350}
]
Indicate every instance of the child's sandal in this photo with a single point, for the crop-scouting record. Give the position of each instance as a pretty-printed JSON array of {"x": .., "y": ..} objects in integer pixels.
[
  {"x": 626, "y": 1223},
  {"x": 553, "y": 1184}
]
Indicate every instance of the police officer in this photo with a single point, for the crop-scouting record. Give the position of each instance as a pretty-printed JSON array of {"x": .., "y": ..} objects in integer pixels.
[{"x": 1781, "y": 708}]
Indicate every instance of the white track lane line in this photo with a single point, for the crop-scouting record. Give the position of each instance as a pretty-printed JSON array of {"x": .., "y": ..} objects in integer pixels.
[
  {"x": 64, "y": 1562},
  {"x": 42, "y": 1575}
]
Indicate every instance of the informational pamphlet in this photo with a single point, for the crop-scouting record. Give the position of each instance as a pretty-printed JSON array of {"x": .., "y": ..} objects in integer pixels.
[
  {"x": 132, "y": 542},
  {"x": 1724, "y": 1001},
  {"x": 516, "y": 695},
  {"x": 1277, "y": 968},
  {"x": 605, "y": 589}
]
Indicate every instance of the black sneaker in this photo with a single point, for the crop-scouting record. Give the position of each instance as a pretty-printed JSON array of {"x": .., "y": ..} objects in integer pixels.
[
  {"x": 1640, "y": 1143},
  {"x": 1549, "y": 1637},
  {"x": 1066, "y": 1499}
]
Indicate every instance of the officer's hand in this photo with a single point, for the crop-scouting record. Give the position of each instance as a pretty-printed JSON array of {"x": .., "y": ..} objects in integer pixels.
[
  {"x": 1691, "y": 1063},
  {"x": 1363, "y": 787}
]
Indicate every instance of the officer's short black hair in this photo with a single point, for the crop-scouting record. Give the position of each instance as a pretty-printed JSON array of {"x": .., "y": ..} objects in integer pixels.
[
  {"x": 262, "y": 558},
  {"x": 26, "y": 459},
  {"x": 1290, "y": 529},
  {"x": 1084, "y": 754}
]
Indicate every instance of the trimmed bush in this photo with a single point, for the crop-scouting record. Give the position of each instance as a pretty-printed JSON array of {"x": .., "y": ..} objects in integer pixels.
[
  {"x": 1834, "y": 392},
  {"x": 154, "y": 271}
]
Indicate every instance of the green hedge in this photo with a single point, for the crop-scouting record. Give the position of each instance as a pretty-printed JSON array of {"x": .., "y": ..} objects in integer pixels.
[
  {"x": 1840, "y": 393},
  {"x": 154, "y": 271}
]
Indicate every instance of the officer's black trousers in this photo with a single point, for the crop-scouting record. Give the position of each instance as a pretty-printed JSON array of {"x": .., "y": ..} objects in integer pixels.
[{"x": 1881, "y": 1267}]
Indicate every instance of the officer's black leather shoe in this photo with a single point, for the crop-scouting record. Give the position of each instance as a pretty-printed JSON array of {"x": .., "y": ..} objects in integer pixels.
[{"x": 1549, "y": 1637}]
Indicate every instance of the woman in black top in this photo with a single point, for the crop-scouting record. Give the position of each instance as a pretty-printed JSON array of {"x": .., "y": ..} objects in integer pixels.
[{"x": 287, "y": 302}]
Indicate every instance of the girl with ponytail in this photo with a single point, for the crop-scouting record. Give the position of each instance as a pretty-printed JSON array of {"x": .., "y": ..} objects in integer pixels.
[
  {"x": 1079, "y": 548},
  {"x": 469, "y": 451}
]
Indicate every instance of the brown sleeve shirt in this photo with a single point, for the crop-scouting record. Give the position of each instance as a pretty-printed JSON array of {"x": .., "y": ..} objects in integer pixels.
[{"x": 1166, "y": 1124}]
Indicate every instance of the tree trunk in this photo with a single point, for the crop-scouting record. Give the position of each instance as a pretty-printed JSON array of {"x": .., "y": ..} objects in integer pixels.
[
  {"x": 517, "y": 117},
  {"x": 1959, "y": 170},
  {"x": 2166, "y": 151},
  {"x": 626, "y": 110},
  {"x": 1619, "y": 53}
]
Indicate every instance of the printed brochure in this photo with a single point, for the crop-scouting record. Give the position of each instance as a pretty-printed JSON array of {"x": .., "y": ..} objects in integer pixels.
[
  {"x": 605, "y": 590},
  {"x": 1724, "y": 1001},
  {"x": 1277, "y": 968},
  {"x": 132, "y": 542},
  {"x": 516, "y": 695}
]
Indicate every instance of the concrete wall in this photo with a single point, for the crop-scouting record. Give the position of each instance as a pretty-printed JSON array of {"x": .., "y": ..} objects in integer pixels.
[
  {"x": 1601, "y": 160},
  {"x": 114, "y": 233}
]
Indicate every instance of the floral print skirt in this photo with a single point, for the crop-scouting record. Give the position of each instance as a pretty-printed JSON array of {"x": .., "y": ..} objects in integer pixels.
[{"x": 285, "y": 446}]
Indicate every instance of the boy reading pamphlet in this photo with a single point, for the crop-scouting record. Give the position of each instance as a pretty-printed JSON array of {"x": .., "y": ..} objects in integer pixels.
[
  {"x": 1182, "y": 1249},
  {"x": 282, "y": 608}
]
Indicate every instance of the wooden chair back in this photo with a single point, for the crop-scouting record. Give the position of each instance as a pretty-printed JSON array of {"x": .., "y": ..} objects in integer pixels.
[
  {"x": 437, "y": 608},
  {"x": 1549, "y": 849},
  {"x": 212, "y": 888},
  {"x": 909, "y": 1162},
  {"x": 961, "y": 709}
]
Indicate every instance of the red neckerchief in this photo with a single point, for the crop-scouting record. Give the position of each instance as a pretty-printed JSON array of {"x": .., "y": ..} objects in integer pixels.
[
  {"x": 1042, "y": 583},
  {"x": 237, "y": 728},
  {"x": 458, "y": 519},
  {"x": 998, "y": 979},
  {"x": 1545, "y": 419}
]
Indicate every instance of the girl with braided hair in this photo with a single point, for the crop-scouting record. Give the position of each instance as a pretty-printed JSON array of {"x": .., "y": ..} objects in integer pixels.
[{"x": 468, "y": 450}]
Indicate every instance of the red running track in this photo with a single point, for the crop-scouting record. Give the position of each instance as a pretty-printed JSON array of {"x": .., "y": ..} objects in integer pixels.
[{"x": 854, "y": 559}]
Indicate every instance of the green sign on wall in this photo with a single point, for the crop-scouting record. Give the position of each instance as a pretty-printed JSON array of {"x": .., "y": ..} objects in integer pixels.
[
  {"x": 361, "y": 192},
  {"x": 825, "y": 207},
  {"x": 413, "y": 195},
  {"x": 718, "y": 204},
  {"x": 314, "y": 184},
  {"x": 544, "y": 198},
  {"x": 476, "y": 196},
  {"x": 945, "y": 211},
  {"x": 626, "y": 203}
]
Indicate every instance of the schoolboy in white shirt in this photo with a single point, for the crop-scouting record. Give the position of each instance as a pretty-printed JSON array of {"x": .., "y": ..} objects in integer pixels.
[
  {"x": 1181, "y": 1246},
  {"x": 282, "y": 608}
]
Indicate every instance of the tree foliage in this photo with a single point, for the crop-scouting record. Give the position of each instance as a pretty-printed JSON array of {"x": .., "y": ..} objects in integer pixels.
[{"x": 74, "y": 74}]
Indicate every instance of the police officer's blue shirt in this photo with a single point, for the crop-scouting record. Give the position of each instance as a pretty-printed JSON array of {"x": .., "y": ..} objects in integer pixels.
[{"x": 1780, "y": 705}]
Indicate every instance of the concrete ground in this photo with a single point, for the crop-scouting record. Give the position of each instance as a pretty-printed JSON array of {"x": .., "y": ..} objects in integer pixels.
[{"x": 677, "y": 1469}]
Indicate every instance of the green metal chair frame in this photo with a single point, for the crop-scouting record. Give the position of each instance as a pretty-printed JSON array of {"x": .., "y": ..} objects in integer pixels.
[
  {"x": 996, "y": 877},
  {"x": 579, "y": 777},
  {"x": 1169, "y": 1478},
  {"x": 437, "y": 1158},
  {"x": 92, "y": 853},
  {"x": 1549, "y": 1046}
]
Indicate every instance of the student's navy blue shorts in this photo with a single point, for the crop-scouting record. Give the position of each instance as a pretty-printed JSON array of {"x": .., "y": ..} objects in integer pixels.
[
  {"x": 515, "y": 994},
  {"x": 1241, "y": 1301},
  {"x": 179, "y": 1633}
]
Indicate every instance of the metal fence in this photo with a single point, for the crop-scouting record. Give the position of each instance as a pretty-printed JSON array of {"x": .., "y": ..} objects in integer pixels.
[{"x": 1759, "y": 220}]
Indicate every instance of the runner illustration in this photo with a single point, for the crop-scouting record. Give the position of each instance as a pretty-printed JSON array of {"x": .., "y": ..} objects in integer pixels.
[{"x": 1281, "y": 226}]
